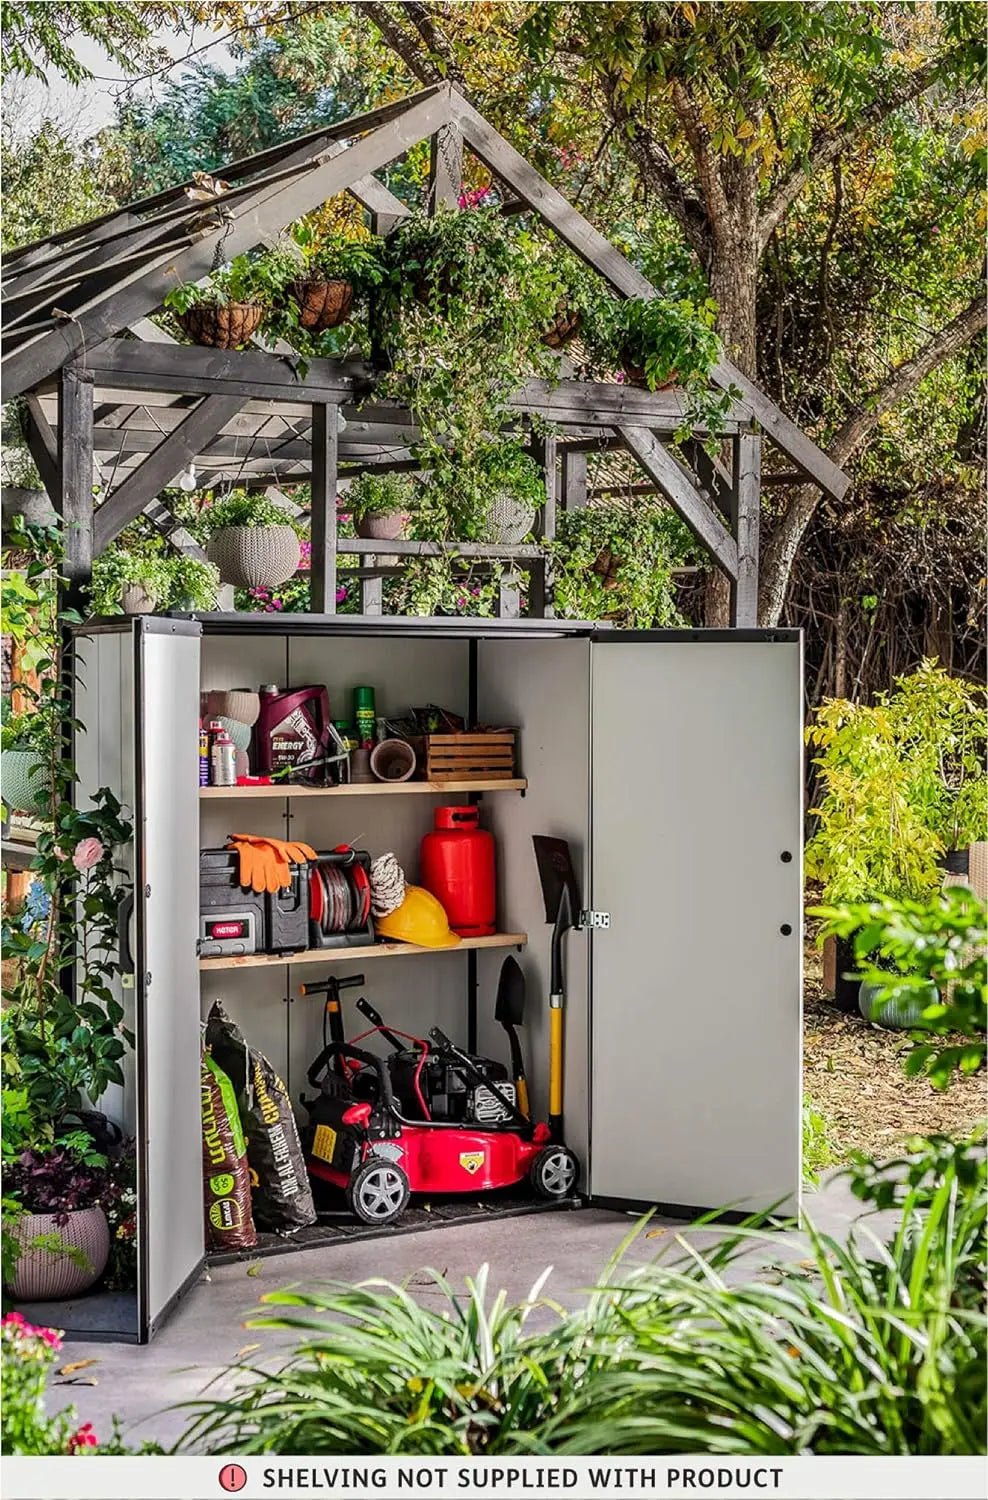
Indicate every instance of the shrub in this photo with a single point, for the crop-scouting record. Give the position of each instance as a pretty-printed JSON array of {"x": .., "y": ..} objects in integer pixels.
[{"x": 868, "y": 1347}]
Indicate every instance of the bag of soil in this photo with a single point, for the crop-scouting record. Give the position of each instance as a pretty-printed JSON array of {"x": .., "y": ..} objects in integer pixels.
[
  {"x": 225, "y": 1173},
  {"x": 282, "y": 1194}
]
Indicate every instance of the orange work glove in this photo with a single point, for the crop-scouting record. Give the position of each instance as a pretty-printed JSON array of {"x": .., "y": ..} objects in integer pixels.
[{"x": 265, "y": 863}]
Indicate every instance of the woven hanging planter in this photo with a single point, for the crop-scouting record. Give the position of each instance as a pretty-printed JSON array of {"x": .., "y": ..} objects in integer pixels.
[
  {"x": 42, "y": 1275},
  {"x": 255, "y": 557},
  {"x": 564, "y": 327},
  {"x": 322, "y": 304},
  {"x": 135, "y": 600},
  {"x": 224, "y": 326},
  {"x": 511, "y": 520},
  {"x": 24, "y": 780}
]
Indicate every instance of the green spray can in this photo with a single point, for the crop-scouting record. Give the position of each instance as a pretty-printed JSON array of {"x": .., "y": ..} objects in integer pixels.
[{"x": 364, "y": 715}]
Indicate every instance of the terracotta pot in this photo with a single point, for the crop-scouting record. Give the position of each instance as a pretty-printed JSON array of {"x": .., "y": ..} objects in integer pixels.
[
  {"x": 225, "y": 326},
  {"x": 393, "y": 760},
  {"x": 23, "y": 782},
  {"x": 255, "y": 557},
  {"x": 322, "y": 304},
  {"x": 42, "y": 1275},
  {"x": 377, "y": 526},
  {"x": 135, "y": 600}
]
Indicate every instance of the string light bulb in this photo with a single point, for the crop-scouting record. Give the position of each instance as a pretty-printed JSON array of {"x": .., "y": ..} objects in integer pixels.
[{"x": 187, "y": 479}]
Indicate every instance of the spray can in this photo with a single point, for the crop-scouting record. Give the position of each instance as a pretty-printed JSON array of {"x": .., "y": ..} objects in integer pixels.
[
  {"x": 224, "y": 760},
  {"x": 364, "y": 714},
  {"x": 203, "y": 754}
]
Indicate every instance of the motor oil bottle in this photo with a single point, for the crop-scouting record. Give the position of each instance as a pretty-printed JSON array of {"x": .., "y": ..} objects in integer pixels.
[{"x": 293, "y": 728}]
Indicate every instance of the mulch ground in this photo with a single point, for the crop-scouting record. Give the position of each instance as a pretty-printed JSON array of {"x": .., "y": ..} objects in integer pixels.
[{"x": 852, "y": 1073}]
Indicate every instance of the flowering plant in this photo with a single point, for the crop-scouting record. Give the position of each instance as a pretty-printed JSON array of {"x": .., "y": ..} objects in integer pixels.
[{"x": 25, "y": 1428}]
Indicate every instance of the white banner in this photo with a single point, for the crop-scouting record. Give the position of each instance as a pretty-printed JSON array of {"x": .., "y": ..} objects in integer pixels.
[{"x": 94, "y": 1478}]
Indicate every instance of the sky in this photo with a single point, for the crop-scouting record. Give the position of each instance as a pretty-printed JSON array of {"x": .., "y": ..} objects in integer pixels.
[{"x": 85, "y": 108}]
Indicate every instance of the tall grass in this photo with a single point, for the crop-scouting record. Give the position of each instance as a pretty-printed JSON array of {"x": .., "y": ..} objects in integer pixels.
[{"x": 871, "y": 1347}]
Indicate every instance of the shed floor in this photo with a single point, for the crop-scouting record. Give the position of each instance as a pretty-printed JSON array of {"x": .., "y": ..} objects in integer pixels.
[{"x": 207, "y": 1333}]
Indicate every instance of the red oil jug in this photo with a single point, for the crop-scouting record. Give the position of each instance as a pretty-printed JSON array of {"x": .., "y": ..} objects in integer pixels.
[
  {"x": 292, "y": 729},
  {"x": 458, "y": 868}
]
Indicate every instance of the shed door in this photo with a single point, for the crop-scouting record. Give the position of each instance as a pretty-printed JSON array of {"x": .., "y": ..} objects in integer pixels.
[
  {"x": 696, "y": 984},
  {"x": 170, "y": 1226}
]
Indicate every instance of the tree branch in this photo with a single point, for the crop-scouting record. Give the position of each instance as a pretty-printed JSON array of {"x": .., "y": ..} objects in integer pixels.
[
  {"x": 407, "y": 44},
  {"x": 900, "y": 382},
  {"x": 826, "y": 146},
  {"x": 707, "y": 166}
]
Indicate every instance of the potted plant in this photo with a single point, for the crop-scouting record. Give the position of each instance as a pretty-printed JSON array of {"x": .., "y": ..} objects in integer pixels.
[
  {"x": 380, "y": 504},
  {"x": 133, "y": 582},
  {"x": 192, "y": 583},
  {"x": 229, "y": 309},
  {"x": 616, "y": 562},
  {"x": 251, "y": 541},
  {"x": 56, "y": 1234},
  {"x": 26, "y": 741},
  {"x": 333, "y": 269},
  {"x": 517, "y": 490}
]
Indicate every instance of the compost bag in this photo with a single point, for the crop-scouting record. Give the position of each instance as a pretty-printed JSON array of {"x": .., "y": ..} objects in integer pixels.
[
  {"x": 282, "y": 1196},
  {"x": 225, "y": 1173}
]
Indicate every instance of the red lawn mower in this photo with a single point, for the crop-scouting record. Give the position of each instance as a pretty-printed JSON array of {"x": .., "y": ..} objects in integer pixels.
[{"x": 430, "y": 1118}]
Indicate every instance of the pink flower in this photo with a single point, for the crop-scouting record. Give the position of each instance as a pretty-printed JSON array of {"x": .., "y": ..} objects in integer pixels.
[
  {"x": 341, "y": 593},
  {"x": 84, "y": 1438},
  {"x": 88, "y": 852}
]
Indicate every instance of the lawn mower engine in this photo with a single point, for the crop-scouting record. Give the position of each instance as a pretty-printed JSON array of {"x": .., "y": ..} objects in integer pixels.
[{"x": 448, "y": 1093}]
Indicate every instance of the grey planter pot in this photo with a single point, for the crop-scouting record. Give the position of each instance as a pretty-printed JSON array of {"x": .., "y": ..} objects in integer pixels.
[
  {"x": 135, "y": 600},
  {"x": 255, "y": 557},
  {"x": 377, "y": 527},
  {"x": 899, "y": 1013},
  {"x": 22, "y": 780},
  {"x": 43, "y": 1275},
  {"x": 510, "y": 520},
  {"x": 33, "y": 505}
]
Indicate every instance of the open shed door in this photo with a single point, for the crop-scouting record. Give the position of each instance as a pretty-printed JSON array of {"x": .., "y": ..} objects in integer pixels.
[
  {"x": 169, "y": 1128},
  {"x": 696, "y": 795}
]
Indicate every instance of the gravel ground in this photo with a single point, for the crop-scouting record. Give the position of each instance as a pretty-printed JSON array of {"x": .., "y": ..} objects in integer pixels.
[{"x": 853, "y": 1075}]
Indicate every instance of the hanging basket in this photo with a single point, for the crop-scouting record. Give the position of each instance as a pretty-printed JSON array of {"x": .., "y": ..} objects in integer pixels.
[
  {"x": 255, "y": 557},
  {"x": 43, "y": 1275},
  {"x": 322, "y": 304},
  {"x": 635, "y": 375},
  {"x": 24, "y": 782},
  {"x": 511, "y": 520},
  {"x": 135, "y": 600},
  {"x": 222, "y": 326},
  {"x": 564, "y": 327}
]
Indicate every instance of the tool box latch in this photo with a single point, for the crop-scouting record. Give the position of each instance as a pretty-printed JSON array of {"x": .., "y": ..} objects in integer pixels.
[{"x": 594, "y": 919}]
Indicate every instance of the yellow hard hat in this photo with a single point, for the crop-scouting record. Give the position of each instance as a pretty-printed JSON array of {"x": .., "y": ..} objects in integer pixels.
[{"x": 419, "y": 919}]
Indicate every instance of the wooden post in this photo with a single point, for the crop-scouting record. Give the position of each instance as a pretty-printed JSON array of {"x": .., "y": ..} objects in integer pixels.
[
  {"x": 540, "y": 575},
  {"x": 445, "y": 168},
  {"x": 75, "y": 461},
  {"x": 574, "y": 480},
  {"x": 371, "y": 592},
  {"x": 324, "y": 445},
  {"x": 745, "y": 517},
  {"x": 509, "y": 596}
]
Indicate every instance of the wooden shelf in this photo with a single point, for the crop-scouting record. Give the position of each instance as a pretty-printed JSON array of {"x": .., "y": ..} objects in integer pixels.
[
  {"x": 365, "y": 789},
  {"x": 357, "y": 955}
]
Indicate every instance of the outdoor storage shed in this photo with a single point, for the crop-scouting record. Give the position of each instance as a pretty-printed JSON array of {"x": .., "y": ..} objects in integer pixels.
[{"x": 670, "y": 761}]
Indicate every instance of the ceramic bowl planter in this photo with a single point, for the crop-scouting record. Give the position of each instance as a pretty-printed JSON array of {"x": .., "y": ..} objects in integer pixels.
[
  {"x": 25, "y": 786},
  {"x": 255, "y": 557},
  {"x": 33, "y": 506},
  {"x": 225, "y": 325},
  {"x": 135, "y": 600},
  {"x": 322, "y": 303},
  {"x": 242, "y": 704},
  {"x": 42, "y": 1275},
  {"x": 511, "y": 520},
  {"x": 376, "y": 526},
  {"x": 899, "y": 1012}
]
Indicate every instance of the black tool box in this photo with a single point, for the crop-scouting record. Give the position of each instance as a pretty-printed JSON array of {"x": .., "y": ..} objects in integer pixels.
[{"x": 235, "y": 922}]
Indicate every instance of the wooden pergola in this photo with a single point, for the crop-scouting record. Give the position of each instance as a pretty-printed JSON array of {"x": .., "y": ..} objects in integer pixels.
[{"x": 108, "y": 392}]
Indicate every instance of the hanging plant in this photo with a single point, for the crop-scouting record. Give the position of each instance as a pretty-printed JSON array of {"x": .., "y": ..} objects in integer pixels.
[
  {"x": 132, "y": 582},
  {"x": 334, "y": 270},
  {"x": 230, "y": 308},
  {"x": 251, "y": 541},
  {"x": 380, "y": 505},
  {"x": 615, "y": 562}
]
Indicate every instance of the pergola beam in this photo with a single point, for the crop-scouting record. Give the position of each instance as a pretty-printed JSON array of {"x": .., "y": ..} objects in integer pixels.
[{"x": 672, "y": 479}]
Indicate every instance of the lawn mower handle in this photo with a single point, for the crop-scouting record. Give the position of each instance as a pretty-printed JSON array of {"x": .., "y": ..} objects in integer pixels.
[
  {"x": 369, "y": 1059},
  {"x": 469, "y": 1066},
  {"x": 351, "y": 982},
  {"x": 374, "y": 1017}
]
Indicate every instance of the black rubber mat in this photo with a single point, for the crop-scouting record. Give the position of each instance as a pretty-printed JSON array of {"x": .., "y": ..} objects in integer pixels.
[{"x": 336, "y": 1225}]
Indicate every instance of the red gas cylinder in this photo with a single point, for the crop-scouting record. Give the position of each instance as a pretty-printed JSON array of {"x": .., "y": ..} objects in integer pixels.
[{"x": 458, "y": 868}]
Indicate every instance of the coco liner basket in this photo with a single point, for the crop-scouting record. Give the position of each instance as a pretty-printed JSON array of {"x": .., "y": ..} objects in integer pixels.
[
  {"x": 224, "y": 325},
  {"x": 322, "y": 304}
]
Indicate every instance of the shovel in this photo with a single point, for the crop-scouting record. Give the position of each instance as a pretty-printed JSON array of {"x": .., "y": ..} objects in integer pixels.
[{"x": 509, "y": 1012}]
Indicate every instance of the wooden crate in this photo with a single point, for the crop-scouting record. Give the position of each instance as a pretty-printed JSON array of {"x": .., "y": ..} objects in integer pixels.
[{"x": 470, "y": 757}]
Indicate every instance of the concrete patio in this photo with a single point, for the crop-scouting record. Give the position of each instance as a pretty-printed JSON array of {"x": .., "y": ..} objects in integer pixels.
[{"x": 143, "y": 1385}]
